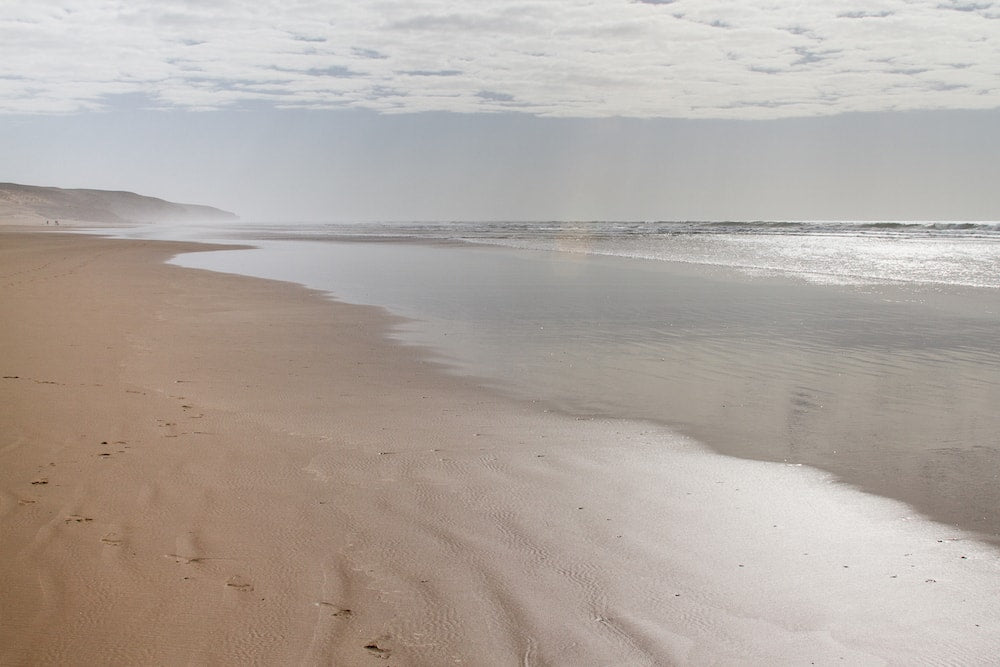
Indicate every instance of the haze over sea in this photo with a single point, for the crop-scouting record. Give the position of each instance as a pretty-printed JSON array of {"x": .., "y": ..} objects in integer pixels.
[{"x": 866, "y": 349}]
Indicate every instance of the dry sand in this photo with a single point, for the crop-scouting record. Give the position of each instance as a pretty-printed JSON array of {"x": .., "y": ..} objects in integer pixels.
[{"x": 202, "y": 468}]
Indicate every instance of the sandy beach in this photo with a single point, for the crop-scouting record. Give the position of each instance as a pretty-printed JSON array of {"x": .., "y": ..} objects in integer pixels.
[{"x": 199, "y": 468}]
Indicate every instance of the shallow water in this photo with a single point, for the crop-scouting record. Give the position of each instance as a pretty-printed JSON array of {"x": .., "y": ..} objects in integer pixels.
[
  {"x": 890, "y": 386},
  {"x": 851, "y": 253}
]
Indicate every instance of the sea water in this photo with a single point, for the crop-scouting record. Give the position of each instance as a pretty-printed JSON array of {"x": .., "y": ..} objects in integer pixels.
[
  {"x": 865, "y": 349},
  {"x": 836, "y": 252}
]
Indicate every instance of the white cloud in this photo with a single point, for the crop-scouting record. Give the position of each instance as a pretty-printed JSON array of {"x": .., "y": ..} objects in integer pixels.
[{"x": 643, "y": 58}]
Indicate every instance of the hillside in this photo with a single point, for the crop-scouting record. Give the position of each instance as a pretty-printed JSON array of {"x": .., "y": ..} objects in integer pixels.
[{"x": 29, "y": 203}]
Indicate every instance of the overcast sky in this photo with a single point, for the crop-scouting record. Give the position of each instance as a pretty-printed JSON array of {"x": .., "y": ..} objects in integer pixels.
[{"x": 538, "y": 109}]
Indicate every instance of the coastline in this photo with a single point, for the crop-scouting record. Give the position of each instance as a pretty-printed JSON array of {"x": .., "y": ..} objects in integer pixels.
[
  {"x": 202, "y": 467},
  {"x": 888, "y": 387}
]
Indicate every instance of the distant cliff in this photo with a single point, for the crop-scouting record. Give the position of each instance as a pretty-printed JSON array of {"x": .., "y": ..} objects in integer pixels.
[{"x": 30, "y": 202}]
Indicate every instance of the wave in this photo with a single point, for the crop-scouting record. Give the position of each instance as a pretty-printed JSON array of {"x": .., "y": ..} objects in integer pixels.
[
  {"x": 592, "y": 229},
  {"x": 988, "y": 228},
  {"x": 613, "y": 229}
]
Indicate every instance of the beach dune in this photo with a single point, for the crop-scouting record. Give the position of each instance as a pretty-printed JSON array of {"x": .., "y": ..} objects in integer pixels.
[{"x": 31, "y": 204}]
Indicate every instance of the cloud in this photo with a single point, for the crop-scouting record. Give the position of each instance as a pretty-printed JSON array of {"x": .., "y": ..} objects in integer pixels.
[{"x": 637, "y": 58}]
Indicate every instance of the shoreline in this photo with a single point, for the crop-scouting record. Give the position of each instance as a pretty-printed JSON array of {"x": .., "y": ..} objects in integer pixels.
[
  {"x": 208, "y": 467},
  {"x": 898, "y": 378}
]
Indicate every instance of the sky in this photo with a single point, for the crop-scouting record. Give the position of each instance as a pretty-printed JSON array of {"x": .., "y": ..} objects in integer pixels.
[{"x": 511, "y": 110}]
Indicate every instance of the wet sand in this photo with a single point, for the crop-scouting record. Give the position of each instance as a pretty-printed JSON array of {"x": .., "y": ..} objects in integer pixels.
[
  {"x": 890, "y": 387},
  {"x": 197, "y": 467}
]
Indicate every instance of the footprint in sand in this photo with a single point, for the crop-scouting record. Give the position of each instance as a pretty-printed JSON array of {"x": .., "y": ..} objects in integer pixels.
[
  {"x": 340, "y": 612},
  {"x": 378, "y": 651},
  {"x": 76, "y": 518},
  {"x": 112, "y": 540},
  {"x": 40, "y": 480},
  {"x": 240, "y": 583},
  {"x": 184, "y": 559}
]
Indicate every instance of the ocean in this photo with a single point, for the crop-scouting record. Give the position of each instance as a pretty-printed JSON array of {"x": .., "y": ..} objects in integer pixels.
[
  {"x": 865, "y": 349},
  {"x": 834, "y": 252}
]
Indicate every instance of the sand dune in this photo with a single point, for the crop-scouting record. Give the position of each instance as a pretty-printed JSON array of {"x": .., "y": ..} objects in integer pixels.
[{"x": 30, "y": 204}]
